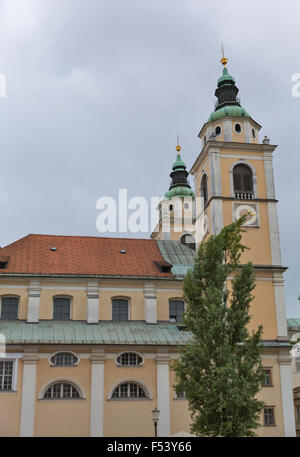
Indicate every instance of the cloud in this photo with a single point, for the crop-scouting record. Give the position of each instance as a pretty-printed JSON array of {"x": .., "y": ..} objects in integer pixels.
[{"x": 98, "y": 90}]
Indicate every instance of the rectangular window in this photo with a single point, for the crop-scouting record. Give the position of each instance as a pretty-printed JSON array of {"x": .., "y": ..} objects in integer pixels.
[
  {"x": 120, "y": 310},
  {"x": 6, "y": 375},
  {"x": 268, "y": 377},
  {"x": 61, "y": 309},
  {"x": 269, "y": 418},
  {"x": 297, "y": 363},
  {"x": 176, "y": 309},
  {"x": 9, "y": 308}
]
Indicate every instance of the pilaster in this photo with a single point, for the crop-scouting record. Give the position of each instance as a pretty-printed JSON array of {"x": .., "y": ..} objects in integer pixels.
[
  {"x": 97, "y": 359},
  {"x": 33, "y": 300},
  {"x": 163, "y": 393},
  {"x": 30, "y": 358}
]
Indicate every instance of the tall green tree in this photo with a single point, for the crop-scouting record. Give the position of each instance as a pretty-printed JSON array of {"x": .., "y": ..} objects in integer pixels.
[{"x": 220, "y": 369}]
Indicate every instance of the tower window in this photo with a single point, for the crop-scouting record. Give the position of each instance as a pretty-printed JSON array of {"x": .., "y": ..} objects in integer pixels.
[
  {"x": 218, "y": 130},
  {"x": 186, "y": 205},
  {"x": 253, "y": 133},
  {"x": 203, "y": 190},
  {"x": 189, "y": 241},
  {"x": 238, "y": 128},
  {"x": 120, "y": 310},
  {"x": 9, "y": 308},
  {"x": 242, "y": 182},
  {"x": 170, "y": 208}
]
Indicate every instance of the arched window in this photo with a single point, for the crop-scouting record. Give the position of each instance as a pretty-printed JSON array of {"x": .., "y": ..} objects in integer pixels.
[
  {"x": 204, "y": 190},
  {"x": 61, "y": 309},
  {"x": 120, "y": 310},
  {"x": 242, "y": 182},
  {"x": 9, "y": 308},
  {"x": 129, "y": 390},
  {"x": 64, "y": 359},
  {"x": 129, "y": 359},
  {"x": 189, "y": 241},
  {"x": 61, "y": 390},
  {"x": 176, "y": 310}
]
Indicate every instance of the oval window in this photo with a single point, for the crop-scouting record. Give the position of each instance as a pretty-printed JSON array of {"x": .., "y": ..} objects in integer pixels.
[{"x": 218, "y": 130}]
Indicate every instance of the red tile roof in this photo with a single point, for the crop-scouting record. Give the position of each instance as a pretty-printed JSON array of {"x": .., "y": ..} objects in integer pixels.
[{"x": 83, "y": 255}]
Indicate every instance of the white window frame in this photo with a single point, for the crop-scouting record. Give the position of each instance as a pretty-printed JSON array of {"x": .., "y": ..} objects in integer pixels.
[
  {"x": 134, "y": 381},
  {"x": 63, "y": 366},
  {"x": 14, "y": 374},
  {"x": 82, "y": 394},
  {"x": 130, "y": 366}
]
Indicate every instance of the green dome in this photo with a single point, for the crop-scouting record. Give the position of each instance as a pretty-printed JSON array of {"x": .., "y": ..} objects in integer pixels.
[
  {"x": 180, "y": 191},
  {"x": 226, "y": 77},
  {"x": 179, "y": 164},
  {"x": 234, "y": 110}
]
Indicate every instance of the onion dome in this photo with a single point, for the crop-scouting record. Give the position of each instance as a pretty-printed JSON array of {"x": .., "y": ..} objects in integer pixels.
[
  {"x": 228, "y": 103},
  {"x": 180, "y": 186}
]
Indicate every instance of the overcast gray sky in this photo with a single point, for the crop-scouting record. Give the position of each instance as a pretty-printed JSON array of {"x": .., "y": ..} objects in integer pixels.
[{"x": 98, "y": 89}]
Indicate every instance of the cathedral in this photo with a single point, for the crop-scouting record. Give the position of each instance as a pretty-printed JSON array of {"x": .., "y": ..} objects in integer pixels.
[{"x": 90, "y": 325}]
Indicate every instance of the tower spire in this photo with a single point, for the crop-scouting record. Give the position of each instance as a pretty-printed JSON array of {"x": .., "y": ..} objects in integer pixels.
[{"x": 224, "y": 59}]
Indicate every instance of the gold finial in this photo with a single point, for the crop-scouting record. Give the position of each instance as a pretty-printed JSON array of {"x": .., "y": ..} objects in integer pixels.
[
  {"x": 178, "y": 147},
  {"x": 224, "y": 59}
]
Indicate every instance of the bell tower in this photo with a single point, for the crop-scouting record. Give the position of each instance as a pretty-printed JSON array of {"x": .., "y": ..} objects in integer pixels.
[
  {"x": 233, "y": 175},
  {"x": 176, "y": 208}
]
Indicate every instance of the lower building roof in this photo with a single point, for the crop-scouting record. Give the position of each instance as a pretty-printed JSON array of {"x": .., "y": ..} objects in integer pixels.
[
  {"x": 105, "y": 332},
  {"x": 79, "y": 332}
]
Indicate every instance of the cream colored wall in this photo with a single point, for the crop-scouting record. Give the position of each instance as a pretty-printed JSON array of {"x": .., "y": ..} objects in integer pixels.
[
  {"x": 179, "y": 413},
  {"x": 132, "y": 290},
  {"x": 63, "y": 417},
  {"x": 255, "y": 238},
  {"x": 129, "y": 417},
  {"x": 10, "y": 407},
  {"x": 78, "y": 302},
  {"x": 121, "y": 417},
  {"x": 272, "y": 397},
  {"x": 20, "y": 292}
]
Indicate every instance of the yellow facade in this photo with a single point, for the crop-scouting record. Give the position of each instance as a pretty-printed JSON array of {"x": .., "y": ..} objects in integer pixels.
[{"x": 98, "y": 410}]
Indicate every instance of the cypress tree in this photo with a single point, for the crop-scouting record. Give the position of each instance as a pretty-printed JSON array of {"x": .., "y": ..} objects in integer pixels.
[{"x": 220, "y": 368}]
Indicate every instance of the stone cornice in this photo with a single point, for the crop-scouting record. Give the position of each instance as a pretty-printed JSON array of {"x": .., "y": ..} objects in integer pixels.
[{"x": 259, "y": 147}]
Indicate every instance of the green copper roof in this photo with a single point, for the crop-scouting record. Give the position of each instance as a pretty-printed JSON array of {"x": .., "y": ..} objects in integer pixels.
[
  {"x": 229, "y": 110},
  {"x": 176, "y": 253},
  {"x": 179, "y": 164},
  {"x": 226, "y": 76},
  {"x": 293, "y": 324},
  {"x": 180, "y": 191},
  {"x": 78, "y": 332}
]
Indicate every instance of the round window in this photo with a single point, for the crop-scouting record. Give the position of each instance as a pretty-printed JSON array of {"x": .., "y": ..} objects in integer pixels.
[
  {"x": 218, "y": 130},
  {"x": 238, "y": 128}
]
